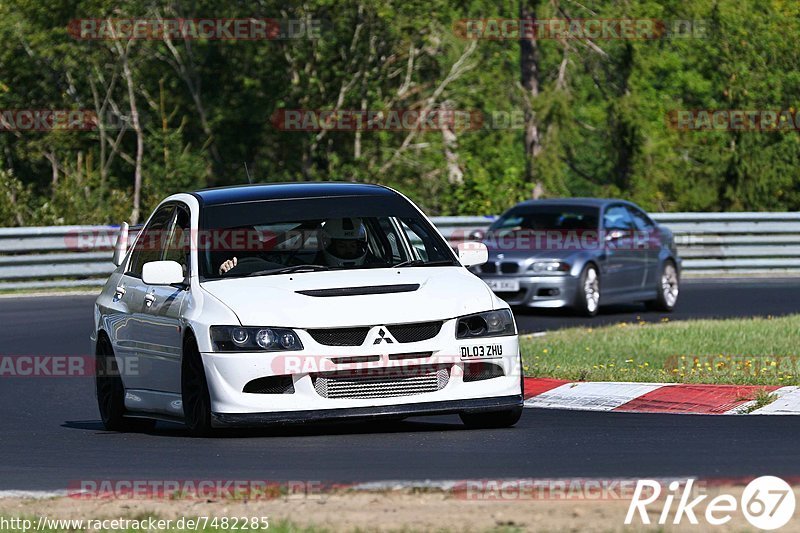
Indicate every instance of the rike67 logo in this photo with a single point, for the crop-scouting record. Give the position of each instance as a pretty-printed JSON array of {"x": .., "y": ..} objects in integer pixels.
[{"x": 767, "y": 503}]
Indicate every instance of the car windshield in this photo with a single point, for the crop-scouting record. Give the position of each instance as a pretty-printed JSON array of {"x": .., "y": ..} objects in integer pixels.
[
  {"x": 546, "y": 218},
  {"x": 304, "y": 235}
]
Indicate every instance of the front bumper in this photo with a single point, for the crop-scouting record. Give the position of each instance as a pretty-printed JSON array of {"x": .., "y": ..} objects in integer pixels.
[
  {"x": 539, "y": 291},
  {"x": 477, "y": 405},
  {"x": 229, "y": 373}
]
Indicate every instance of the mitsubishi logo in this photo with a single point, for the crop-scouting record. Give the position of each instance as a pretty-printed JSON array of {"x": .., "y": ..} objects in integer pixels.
[{"x": 383, "y": 336}]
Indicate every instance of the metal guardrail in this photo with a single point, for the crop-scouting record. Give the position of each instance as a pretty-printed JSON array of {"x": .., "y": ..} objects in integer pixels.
[{"x": 711, "y": 244}]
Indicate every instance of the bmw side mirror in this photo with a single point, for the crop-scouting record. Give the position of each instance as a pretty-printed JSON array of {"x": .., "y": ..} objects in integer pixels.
[
  {"x": 614, "y": 235},
  {"x": 472, "y": 253},
  {"x": 476, "y": 235},
  {"x": 121, "y": 246},
  {"x": 162, "y": 273}
]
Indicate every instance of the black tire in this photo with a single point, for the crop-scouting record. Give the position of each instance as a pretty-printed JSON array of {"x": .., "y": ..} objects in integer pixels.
[
  {"x": 194, "y": 392},
  {"x": 587, "y": 300},
  {"x": 492, "y": 419},
  {"x": 110, "y": 392},
  {"x": 667, "y": 289}
]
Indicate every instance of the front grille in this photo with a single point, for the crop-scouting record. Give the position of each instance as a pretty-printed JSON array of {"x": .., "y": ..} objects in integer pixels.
[
  {"x": 419, "y": 331},
  {"x": 382, "y": 382},
  {"x": 270, "y": 385},
  {"x": 482, "y": 370},
  {"x": 339, "y": 336},
  {"x": 509, "y": 268},
  {"x": 489, "y": 268}
]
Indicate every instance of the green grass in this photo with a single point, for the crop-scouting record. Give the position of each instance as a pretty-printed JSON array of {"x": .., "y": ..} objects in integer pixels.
[
  {"x": 757, "y": 351},
  {"x": 762, "y": 399}
]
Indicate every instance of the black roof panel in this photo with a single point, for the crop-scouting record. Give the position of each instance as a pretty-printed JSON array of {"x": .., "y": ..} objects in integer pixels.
[
  {"x": 590, "y": 202},
  {"x": 288, "y": 191}
]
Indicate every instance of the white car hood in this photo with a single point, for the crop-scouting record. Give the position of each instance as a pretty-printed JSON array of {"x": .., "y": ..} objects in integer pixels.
[{"x": 443, "y": 293}]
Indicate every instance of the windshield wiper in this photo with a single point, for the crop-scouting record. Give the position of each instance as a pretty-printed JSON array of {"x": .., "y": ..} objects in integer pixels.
[
  {"x": 420, "y": 262},
  {"x": 290, "y": 270}
]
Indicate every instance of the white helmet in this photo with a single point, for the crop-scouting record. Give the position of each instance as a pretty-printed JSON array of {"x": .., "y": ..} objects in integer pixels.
[{"x": 344, "y": 241}]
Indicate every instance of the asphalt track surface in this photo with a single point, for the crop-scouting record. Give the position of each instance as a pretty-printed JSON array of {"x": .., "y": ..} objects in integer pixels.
[{"x": 50, "y": 433}]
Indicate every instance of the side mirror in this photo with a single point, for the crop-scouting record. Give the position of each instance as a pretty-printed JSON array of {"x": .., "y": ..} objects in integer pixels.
[
  {"x": 162, "y": 273},
  {"x": 121, "y": 246},
  {"x": 476, "y": 235},
  {"x": 615, "y": 234},
  {"x": 472, "y": 253}
]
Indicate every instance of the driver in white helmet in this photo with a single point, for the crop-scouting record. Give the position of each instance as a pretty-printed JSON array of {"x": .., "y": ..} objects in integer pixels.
[{"x": 343, "y": 243}]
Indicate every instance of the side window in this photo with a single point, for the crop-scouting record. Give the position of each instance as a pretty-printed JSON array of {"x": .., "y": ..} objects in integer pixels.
[
  {"x": 617, "y": 217},
  {"x": 178, "y": 246},
  {"x": 150, "y": 243},
  {"x": 425, "y": 246},
  {"x": 417, "y": 244},
  {"x": 641, "y": 221}
]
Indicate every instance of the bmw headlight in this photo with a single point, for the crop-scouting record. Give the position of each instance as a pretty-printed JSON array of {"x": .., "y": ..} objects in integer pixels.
[
  {"x": 488, "y": 324},
  {"x": 254, "y": 339},
  {"x": 551, "y": 267}
]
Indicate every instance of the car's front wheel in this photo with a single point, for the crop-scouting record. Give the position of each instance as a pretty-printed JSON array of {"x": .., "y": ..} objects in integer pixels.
[
  {"x": 667, "y": 290},
  {"x": 492, "y": 419},
  {"x": 587, "y": 297},
  {"x": 111, "y": 392},
  {"x": 194, "y": 391}
]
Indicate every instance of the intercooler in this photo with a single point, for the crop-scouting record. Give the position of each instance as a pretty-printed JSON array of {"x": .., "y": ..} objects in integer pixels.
[{"x": 382, "y": 382}]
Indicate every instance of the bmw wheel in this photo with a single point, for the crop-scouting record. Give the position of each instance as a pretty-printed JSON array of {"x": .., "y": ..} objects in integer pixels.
[
  {"x": 587, "y": 299},
  {"x": 194, "y": 391},
  {"x": 111, "y": 392},
  {"x": 668, "y": 289}
]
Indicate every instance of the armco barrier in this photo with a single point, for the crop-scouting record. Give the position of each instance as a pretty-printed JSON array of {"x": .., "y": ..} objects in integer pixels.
[{"x": 711, "y": 244}]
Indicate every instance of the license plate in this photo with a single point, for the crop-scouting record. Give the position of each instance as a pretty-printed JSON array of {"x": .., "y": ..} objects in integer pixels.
[
  {"x": 503, "y": 285},
  {"x": 481, "y": 350}
]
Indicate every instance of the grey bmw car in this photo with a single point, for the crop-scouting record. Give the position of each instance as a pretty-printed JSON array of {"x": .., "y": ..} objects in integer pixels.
[{"x": 580, "y": 253}]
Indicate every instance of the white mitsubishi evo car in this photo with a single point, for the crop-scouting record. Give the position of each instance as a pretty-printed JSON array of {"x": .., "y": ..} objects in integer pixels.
[{"x": 285, "y": 303}]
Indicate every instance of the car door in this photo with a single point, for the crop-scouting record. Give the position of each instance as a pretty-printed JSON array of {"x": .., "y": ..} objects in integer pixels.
[
  {"x": 161, "y": 309},
  {"x": 646, "y": 243},
  {"x": 136, "y": 346},
  {"x": 624, "y": 267}
]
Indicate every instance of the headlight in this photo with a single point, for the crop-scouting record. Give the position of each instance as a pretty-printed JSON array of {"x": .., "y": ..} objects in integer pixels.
[
  {"x": 550, "y": 266},
  {"x": 488, "y": 324},
  {"x": 250, "y": 339}
]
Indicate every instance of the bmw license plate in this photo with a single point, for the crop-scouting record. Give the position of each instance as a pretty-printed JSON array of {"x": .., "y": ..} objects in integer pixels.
[{"x": 503, "y": 285}]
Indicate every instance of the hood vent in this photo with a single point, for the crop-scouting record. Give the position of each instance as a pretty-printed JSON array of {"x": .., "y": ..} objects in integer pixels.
[{"x": 359, "y": 291}]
